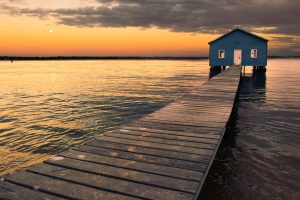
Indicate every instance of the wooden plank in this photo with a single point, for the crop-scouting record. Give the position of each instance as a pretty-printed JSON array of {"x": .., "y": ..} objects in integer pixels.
[
  {"x": 203, "y": 134},
  {"x": 213, "y": 98},
  {"x": 169, "y": 136},
  {"x": 110, "y": 184},
  {"x": 62, "y": 188},
  {"x": 176, "y": 127},
  {"x": 194, "y": 119},
  {"x": 162, "y": 140},
  {"x": 125, "y": 174},
  {"x": 195, "y": 104},
  {"x": 197, "y": 96},
  {"x": 184, "y": 122},
  {"x": 150, "y": 151},
  {"x": 196, "y": 166},
  {"x": 204, "y": 114},
  {"x": 200, "y": 112},
  {"x": 135, "y": 165},
  {"x": 191, "y": 150},
  {"x": 10, "y": 191}
]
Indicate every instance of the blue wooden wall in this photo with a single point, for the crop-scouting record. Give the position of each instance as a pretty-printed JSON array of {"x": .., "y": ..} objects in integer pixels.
[{"x": 238, "y": 40}]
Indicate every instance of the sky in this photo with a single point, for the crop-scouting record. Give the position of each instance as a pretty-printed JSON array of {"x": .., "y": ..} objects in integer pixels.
[{"x": 141, "y": 27}]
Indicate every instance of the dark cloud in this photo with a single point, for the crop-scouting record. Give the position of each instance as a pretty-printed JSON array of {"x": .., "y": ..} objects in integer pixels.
[
  {"x": 286, "y": 45},
  {"x": 204, "y": 16}
]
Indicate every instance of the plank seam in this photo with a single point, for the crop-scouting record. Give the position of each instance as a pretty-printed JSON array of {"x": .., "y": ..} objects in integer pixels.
[
  {"x": 141, "y": 139},
  {"x": 150, "y": 162},
  {"x": 87, "y": 185},
  {"x": 150, "y": 131},
  {"x": 188, "y": 147},
  {"x": 40, "y": 190},
  {"x": 95, "y": 162},
  {"x": 161, "y": 137},
  {"x": 110, "y": 176},
  {"x": 158, "y": 148},
  {"x": 205, "y": 157}
]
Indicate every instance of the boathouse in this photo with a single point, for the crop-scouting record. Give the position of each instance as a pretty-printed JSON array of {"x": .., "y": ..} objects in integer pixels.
[{"x": 238, "y": 47}]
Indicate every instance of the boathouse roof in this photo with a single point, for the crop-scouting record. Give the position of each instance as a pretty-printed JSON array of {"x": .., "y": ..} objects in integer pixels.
[{"x": 235, "y": 30}]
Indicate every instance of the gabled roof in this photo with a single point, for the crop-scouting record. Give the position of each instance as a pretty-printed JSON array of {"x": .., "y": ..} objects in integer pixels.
[{"x": 238, "y": 29}]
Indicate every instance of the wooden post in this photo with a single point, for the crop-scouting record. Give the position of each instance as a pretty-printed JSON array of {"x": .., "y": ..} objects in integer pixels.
[{"x": 217, "y": 68}]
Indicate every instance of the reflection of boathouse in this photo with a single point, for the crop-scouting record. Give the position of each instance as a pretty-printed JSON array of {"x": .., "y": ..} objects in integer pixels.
[{"x": 253, "y": 85}]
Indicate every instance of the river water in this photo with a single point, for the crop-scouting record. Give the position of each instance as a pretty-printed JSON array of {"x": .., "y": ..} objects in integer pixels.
[
  {"x": 259, "y": 157},
  {"x": 47, "y": 107}
]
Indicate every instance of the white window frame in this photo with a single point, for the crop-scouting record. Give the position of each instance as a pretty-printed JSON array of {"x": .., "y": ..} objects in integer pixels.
[
  {"x": 219, "y": 53},
  {"x": 253, "y": 53}
]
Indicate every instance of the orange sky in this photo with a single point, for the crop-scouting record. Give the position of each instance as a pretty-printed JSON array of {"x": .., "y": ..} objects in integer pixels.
[
  {"x": 30, "y": 36},
  {"x": 23, "y": 35}
]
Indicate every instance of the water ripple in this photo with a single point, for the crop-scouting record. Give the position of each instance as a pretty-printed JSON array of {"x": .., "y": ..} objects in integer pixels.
[{"x": 48, "y": 107}]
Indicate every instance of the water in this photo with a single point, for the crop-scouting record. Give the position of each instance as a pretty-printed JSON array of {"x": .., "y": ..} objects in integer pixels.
[
  {"x": 260, "y": 154},
  {"x": 48, "y": 107}
]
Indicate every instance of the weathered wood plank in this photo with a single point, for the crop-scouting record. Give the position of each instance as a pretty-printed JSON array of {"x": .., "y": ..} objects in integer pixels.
[
  {"x": 10, "y": 191},
  {"x": 151, "y": 151},
  {"x": 203, "y": 109},
  {"x": 109, "y": 183},
  {"x": 62, "y": 188},
  {"x": 208, "y": 115},
  {"x": 196, "y": 103},
  {"x": 191, "y": 150},
  {"x": 134, "y": 165},
  {"x": 183, "y": 164},
  {"x": 177, "y": 121},
  {"x": 125, "y": 174},
  {"x": 176, "y": 127},
  {"x": 203, "y": 134},
  {"x": 162, "y": 140},
  {"x": 195, "y": 114},
  {"x": 169, "y": 136}
]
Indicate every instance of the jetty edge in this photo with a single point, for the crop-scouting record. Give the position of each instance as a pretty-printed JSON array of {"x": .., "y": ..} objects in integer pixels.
[{"x": 164, "y": 155}]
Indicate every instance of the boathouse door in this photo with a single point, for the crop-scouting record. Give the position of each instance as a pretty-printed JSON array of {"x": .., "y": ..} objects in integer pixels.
[{"x": 237, "y": 57}]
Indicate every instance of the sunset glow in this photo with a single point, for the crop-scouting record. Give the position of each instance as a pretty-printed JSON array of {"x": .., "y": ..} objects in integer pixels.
[{"x": 36, "y": 28}]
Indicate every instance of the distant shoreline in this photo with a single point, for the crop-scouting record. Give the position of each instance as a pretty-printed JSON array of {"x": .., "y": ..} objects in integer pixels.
[
  {"x": 21, "y": 58},
  {"x": 100, "y": 58}
]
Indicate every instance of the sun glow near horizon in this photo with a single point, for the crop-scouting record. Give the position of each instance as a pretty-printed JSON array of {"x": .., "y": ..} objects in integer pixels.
[
  {"x": 33, "y": 32},
  {"x": 36, "y": 37}
]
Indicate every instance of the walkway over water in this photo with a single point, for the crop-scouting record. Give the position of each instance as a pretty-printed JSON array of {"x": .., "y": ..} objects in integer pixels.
[{"x": 164, "y": 155}]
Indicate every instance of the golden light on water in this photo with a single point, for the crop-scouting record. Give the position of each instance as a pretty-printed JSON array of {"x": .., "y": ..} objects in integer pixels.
[
  {"x": 49, "y": 106},
  {"x": 20, "y": 159}
]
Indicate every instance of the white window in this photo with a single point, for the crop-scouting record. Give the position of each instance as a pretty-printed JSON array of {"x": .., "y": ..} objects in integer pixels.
[
  {"x": 221, "y": 53},
  {"x": 253, "y": 53}
]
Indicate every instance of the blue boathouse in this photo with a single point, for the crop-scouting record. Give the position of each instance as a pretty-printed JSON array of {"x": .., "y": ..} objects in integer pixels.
[{"x": 238, "y": 47}]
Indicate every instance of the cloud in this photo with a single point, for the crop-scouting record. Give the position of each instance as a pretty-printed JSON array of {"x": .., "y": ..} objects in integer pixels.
[
  {"x": 13, "y": 1},
  {"x": 203, "y": 16},
  {"x": 195, "y": 16}
]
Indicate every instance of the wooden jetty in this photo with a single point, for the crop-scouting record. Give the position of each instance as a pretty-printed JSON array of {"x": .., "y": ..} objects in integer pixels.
[{"x": 164, "y": 155}]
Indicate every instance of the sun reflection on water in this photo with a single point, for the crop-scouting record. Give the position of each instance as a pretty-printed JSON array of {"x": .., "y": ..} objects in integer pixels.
[{"x": 48, "y": 107}]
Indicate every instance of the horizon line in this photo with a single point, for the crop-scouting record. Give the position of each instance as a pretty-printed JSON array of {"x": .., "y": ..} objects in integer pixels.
[{"x": 4, "y": 58}]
